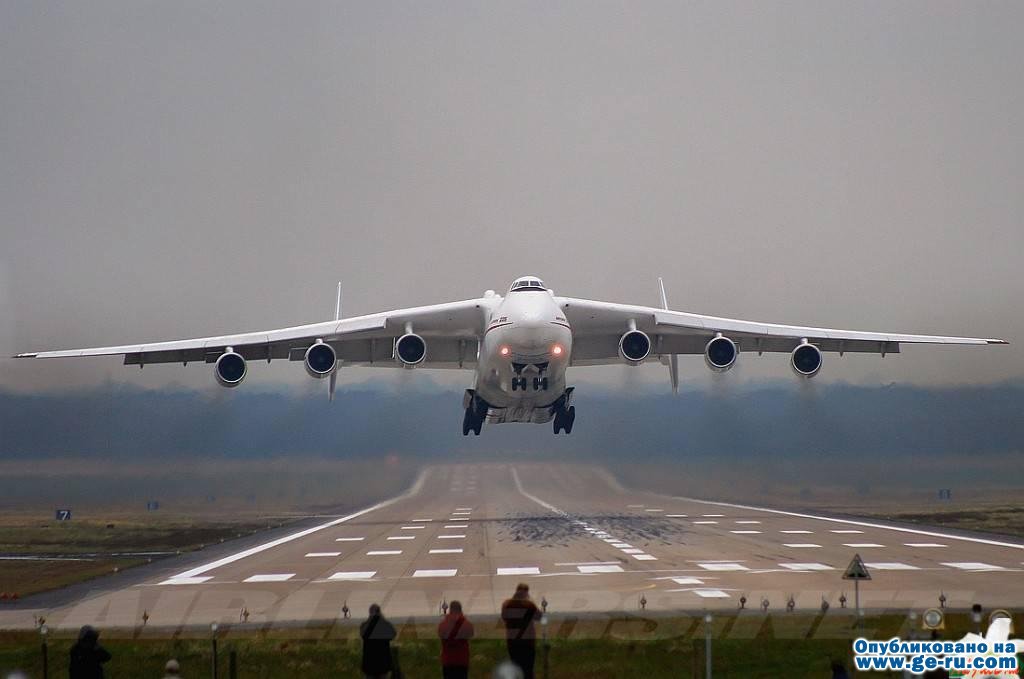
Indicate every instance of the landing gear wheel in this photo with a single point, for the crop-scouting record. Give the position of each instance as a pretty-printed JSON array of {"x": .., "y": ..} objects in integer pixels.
[{"x": 564, "y": 419}]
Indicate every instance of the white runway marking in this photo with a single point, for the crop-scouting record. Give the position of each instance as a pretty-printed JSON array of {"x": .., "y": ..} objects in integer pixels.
[
  {"x": 270, "y": 577},
  {"x": 353, "y": 575},
  {"x": 446, "y": 551},
  {"x": 193, "y": 580},
  {"x": 801, "y": 545},
  {"x": 622, "y": 545},
  {"x": 723, "y": 566},
  {"x": 862, "y": 524},
  {"x": 422, "y": 520},
  {"x": 746, "y": 532},
  {"x": 922, "y": 544},
  {"x": 705, "y": 522},
  {"x": 807, "y": 567},
  {"x": 634, "y": 506},
  {"x": 436, "y": 573},
  {"x": 599, "y": 569},
  {"x": 319, "y": 554},
  {"x": 633, "y": 550},
  {"x": 846, "y": 532},
  {"x": 645, "y": 557},
  {"x": 712, "y": 515},
  {"x": 463, "y": 509},
  {"x": 890, "y": 566},
  {"x": 748, "y": 521},
  {"x": 348, "y": 539},
  {"x": 402, "y": 537},
  {"x": 520, "y": 570},
  {"x": 457, "y": 525},
  {"x": 199, "y": 570},
  {"x": 383, "y": 552},
  {"x": 675, "y": 516},
  {"x": 711, "y": 593},
  {"x": 974, "y": 566},
  {"x": 654, "y": 511},
  {"x": 864, "y": 545},
  {"x": 450, "y": 537},
  {"x": 687, "y": 581},
  {"x": 587, "y": 563},
  {"x": 797, "y": 532},
  {"x": 412, "y": 527},
  {"x": 610, "y": 540}
]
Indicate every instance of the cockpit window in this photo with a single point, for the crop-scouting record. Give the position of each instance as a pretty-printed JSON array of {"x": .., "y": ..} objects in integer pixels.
[{"x": 524, "y": 284}]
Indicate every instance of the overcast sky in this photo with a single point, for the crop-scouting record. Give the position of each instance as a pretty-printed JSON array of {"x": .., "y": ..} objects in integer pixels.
[{"x": 182, "y": 169}]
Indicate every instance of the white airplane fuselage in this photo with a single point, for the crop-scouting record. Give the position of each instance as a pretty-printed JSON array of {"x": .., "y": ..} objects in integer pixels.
[{"x": 525, "y": 350}]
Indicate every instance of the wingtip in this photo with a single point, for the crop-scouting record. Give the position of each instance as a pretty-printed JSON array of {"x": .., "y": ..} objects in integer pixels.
[
  {"x": 997, "y": 341},
  {"x": 28, "y": 355}
]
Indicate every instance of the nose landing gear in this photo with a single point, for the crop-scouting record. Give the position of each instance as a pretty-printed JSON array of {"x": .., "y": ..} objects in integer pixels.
[{"x": 476, "y": 413}]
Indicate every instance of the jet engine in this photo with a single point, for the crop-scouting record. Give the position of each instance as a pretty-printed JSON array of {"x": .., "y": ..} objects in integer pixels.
[
  {"x": 720, "y": 354},
  {"x": 806, "y": 360},
  {"x": 230, "y": 368},
  {"x": 410, "y": 349},
  {"x": 634, "y": 346},
  {"x": 320, "y": 360}
]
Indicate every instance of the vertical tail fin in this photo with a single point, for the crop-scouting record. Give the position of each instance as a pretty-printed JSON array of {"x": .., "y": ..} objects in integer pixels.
[
  {"x": 673, "y": 359},
  {"x": 333, "y": 383}
]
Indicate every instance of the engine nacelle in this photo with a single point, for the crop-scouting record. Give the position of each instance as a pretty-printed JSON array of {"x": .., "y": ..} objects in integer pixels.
[
  {"x": 806, "y": 360},
  {"x": 320, "y": 360},
  {"x": 634, "y": 346},
  {"x": 230, "y": 369},
  {"x": 720, "y": 353},
  {"x": 410, "y": 349}
]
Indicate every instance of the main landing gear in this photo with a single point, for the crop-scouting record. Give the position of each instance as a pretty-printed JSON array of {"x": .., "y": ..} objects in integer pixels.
[
  {"x": 564, "y": 418},
  {"x": 476, "y": 413}
]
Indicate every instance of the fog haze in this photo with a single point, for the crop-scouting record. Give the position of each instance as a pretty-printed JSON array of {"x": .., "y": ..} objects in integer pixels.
[{"x": 185, "y": 169}]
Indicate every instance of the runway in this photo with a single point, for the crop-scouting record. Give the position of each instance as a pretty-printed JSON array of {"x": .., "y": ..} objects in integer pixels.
[{"x": 583, "y": 543}]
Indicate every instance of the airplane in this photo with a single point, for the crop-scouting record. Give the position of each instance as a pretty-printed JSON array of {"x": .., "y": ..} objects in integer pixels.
[{"x": 519, "y": 346}]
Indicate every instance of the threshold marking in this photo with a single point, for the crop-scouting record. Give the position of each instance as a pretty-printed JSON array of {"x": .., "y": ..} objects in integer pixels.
[
  {"x": 746, "y": 532},
  {"x": 600, "y": 569},
  {"x": 457, "y": 525},
  {"x": 723, "y": 566},
  {"x": 383, "y": 552},
  {"x": 270, "y": 577},
  {"x": 446, "y": 551},
  {"x": 319, "y": 554},
  {"x": 973, "y": 566},
  {"x": 450, "y": 537},
  {"x": 807, "y": 567},
  {"x": 402, "y": 537},
  {"x": 348, "y": 539},
  {"x": 891, "y": 566},
  {"x": 353, "y": 575},
  {"x": 436, "y": 573},
  {"x": 645, "y": 557},
  {"x": 687, "y": 581},
  {"x": 711, "y": 593},
  {"x": 193, "y": 580},
  {"x": 519, "y": 570}
]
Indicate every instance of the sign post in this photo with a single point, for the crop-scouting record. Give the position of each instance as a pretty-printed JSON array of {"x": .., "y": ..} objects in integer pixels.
[{"x": 857, "y": 571}]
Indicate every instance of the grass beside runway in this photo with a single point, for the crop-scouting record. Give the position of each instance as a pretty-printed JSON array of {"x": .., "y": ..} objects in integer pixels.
[{"x": 749, "y": 646}]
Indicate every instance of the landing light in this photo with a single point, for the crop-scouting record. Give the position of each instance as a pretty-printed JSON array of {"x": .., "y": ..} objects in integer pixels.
[
  {"x": 556, "y": 350},
  {"x": 504, "y": 351}
]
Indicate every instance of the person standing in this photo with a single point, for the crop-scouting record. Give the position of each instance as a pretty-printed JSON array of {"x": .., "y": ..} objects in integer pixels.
[
  {"x": 87, "y": 656},
  {"x": 455, "y": 631},
  {"x": 519, "y": 614},
  {"x": 376, "y": 633}
]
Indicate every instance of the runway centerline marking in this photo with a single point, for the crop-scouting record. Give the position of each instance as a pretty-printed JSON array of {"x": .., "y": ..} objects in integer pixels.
[
  {"x": 864, "y": 545},
  {"x": 412, "y": 527},
  {"x": 797, "y": 532},
  {"x": 402, "y": 537},
  {"x": 458, "y": 525},
  {"x": 348, "y": 539},
  {"x": 801, "y": 545},
  {"x": 450, "y": 537},
  {"x": 746, "y": 532},
  {"x": 446, "y": 551},
  {"x": 705, "y": 522},
  {"x": 199, "y": 570},
  {"x": 383, "y": 552},
  {"x": 320, "y": 554},
  {"x": 923, "y": 544}
]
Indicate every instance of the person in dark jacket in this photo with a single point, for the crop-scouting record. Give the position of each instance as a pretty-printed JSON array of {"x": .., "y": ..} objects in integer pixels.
[
  {"x": 87, "y": 656},
  {"x": 455, "y": 631},
  {"x": 377, "y": 634},
  {"x": 519, "y": 614}
]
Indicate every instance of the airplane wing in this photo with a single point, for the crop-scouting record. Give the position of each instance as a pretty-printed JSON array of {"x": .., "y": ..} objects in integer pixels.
[
  {"x": 450, "y": 331},
  {"x": 597, "y": 327}
]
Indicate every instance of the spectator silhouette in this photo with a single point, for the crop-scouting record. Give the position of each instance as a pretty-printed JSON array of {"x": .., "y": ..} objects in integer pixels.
[
  {"x": 518, "y": 614},
  {"x": 455, "y": 631},
  {"x": 87, "y": 656},
  {"x": 377, "y": 634},
  {"x": 172, "y": 670},
  {"x": 839, "y": 670}
]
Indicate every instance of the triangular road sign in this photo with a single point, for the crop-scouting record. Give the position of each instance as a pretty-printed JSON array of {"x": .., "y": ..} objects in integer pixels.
[{"x": 856, "y": 570}]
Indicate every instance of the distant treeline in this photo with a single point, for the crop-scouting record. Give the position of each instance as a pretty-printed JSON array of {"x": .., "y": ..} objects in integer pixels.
[{"x": 116, "y": 421}]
